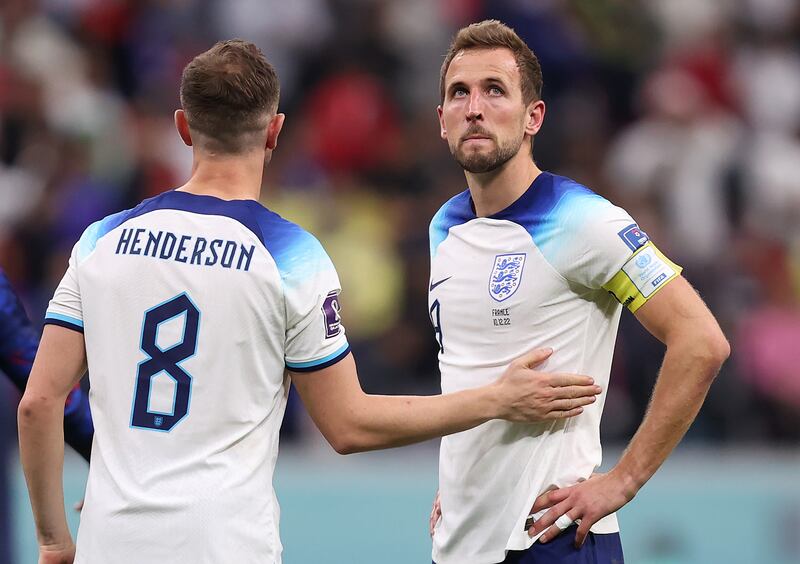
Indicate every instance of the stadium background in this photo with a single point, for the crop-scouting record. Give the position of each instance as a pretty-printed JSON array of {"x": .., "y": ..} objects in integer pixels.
[{"x": 685, "y": 112}]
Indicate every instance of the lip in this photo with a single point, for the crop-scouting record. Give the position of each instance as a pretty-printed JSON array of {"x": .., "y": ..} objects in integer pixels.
[{"x": 476, "y": 138}]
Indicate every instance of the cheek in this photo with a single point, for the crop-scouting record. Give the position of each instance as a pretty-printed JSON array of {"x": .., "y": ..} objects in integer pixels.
[
  {"x": 510, "y": 120},
  {"x": 449, "y": 121}
]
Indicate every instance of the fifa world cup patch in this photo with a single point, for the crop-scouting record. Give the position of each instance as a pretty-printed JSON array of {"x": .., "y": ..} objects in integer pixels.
[
  {"x": 634, "y": 237},
  {"x": 331, "y": 311},
  {"x": 647, "y": 270}
]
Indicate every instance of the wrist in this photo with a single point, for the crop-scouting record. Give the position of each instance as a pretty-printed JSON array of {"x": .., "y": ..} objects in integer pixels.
[
  {"x": 55, "y": 539},
  {"x": 57, "y": 547},
  {"x": 493, "y": 406},
  {"x": 627, "y": 481}
]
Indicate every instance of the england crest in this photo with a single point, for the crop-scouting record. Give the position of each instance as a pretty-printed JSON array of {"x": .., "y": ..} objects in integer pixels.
[{"x": 506, "y": 275}]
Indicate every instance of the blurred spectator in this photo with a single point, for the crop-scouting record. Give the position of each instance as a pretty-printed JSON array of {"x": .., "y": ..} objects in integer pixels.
[{"x": 768, "y": 336}]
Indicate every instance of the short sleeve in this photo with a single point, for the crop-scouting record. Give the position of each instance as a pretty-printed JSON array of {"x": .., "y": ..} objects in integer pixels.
[
  {"x": 65, "y": 308},
  {"x": 603, "y": 247},
  {"x": 315, "y": 336}
]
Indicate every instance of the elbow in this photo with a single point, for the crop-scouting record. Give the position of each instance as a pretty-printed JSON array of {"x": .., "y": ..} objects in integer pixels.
[
  {"x": 710, "y": 350},
  {"x": 721, "y": 349},
  {"x": 28, "y": 411},
  {"x": 716, "y": 348},
  {"x": 33, "y": 410},
  {"x": 347, "y": 441},
  {"x": 345, "y": 448},
  {"x": 347, "y": 445}
]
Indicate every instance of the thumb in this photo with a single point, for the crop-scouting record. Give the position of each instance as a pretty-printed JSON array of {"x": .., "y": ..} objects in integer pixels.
[{"x": 534, "y": 357}]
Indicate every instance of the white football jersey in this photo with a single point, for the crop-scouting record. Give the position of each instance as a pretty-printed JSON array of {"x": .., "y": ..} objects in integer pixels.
[
  {"x": 551, "y": 270},
  {"x": 192, "y": 308}
]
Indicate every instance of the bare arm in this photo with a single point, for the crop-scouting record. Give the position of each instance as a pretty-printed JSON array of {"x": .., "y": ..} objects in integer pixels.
[
  {"x": 696, "y": 348},
  {"x": 59, "y": 365},
  {"x": 353, "y": 421}
]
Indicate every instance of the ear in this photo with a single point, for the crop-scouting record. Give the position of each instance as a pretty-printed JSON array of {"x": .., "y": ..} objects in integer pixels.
[
  {"x": 182, "y": 125},
  {"x": 442, "y": 128},
  {"x": 535, "y": 117},
  {"x": 273, "y": 130}
]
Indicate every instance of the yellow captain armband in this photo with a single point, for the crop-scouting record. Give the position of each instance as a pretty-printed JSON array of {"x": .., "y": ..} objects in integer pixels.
[{"x": 645, "y": 273}]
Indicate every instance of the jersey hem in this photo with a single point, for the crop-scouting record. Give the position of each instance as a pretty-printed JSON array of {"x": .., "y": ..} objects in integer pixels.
[
  {"x": 65, "y": 324},
  {"x": 323, "y": 363}
]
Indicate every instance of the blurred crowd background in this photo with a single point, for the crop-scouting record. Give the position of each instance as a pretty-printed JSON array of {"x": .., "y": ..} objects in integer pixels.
[{"x": 684, "y": 112}]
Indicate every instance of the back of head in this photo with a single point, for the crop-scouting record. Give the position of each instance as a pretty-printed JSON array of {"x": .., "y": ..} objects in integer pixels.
[
  {"x": 492, "y": 34},
  {"x": 229, "y": 93}
]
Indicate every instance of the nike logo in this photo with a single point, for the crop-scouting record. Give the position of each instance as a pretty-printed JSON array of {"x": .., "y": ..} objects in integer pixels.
[{"x": 442, "y": 281}]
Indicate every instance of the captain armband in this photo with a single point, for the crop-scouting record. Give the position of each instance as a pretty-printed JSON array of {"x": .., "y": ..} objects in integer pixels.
[{"x": 645, "y": 273}]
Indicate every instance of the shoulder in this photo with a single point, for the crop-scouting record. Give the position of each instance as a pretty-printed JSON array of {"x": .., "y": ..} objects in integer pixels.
[
  {"x": 582, "y": 235},
  {"x": 295, "y": 251},
  {"x": 99, "y": 229},
  {"x": 557, "y": 209},
  {"x": 556, "y": 203},
  {"x": 455, "y": 211}
]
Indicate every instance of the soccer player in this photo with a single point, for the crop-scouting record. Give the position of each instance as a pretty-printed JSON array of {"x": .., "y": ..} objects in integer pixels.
[
  {"x": 193, "y": 311},
  {"x": 18, "y": 344},
  {"x": 528, "y": 257}
]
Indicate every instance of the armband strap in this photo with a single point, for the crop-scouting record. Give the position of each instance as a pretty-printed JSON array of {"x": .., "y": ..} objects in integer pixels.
[{"x": 645, "y": 273}]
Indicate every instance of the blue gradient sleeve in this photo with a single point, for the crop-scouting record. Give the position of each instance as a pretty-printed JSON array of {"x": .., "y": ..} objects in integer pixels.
[{"x": 18, "y": 344}]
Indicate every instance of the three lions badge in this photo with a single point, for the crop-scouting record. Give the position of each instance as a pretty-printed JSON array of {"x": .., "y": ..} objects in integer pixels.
[{"x": 506, "y": 276}]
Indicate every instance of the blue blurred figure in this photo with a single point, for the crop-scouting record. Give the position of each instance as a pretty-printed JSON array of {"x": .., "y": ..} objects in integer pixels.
[{"x": 18, "y": 344}]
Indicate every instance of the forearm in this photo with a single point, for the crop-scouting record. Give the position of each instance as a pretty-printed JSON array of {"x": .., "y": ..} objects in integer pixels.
[
  {"x": 377, "y": 422},
  {"x": 41, "y": 440},
  {"x": 685, "y": 378}
]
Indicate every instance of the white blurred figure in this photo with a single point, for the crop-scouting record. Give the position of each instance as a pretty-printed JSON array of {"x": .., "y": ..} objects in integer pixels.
[
  {"x": 75, "y": 103},
  {"x": 281, "y": 29},
  {"x": 679, "y": 154},
  {"x": 768, "y": 77}
]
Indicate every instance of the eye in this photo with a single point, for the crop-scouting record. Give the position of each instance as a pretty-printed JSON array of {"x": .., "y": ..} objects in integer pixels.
[
  {"x": 496, "y": 91},
  {"x": 459, "y": 92}
]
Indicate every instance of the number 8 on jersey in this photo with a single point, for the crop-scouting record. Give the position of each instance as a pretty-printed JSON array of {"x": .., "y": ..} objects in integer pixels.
[{"x": 167, "y": 361}]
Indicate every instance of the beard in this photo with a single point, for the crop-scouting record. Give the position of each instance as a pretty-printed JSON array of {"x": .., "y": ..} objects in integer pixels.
[{"x": 480, "y": 162}]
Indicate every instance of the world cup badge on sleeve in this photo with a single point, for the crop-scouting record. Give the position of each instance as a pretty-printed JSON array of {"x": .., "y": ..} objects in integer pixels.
[
  {"x": 333, "y": 319},
  {"x": 506, "y": 275}
]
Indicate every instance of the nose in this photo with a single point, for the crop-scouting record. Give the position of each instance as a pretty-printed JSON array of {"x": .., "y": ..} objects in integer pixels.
[{"x": 474, "y": 110}]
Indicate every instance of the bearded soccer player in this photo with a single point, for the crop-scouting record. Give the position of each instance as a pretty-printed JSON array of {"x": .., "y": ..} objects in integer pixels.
[
  {"x": 525, "y": 257},
  {"x": 194, "y": 311}
]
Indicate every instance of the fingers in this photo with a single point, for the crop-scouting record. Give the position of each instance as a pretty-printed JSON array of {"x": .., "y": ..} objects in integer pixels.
[
  {"x": 562, "y": 379},
  {"x": 562, "y": 523},
  {"x": 436, "y": 514},
  {"x": 548, "y": 521},
  {"x": 548, "y": 499},
  {"x": 582, "y": 532},
  {"x": 569, "y": 404},
  {"x": 533, "y": 357},
  {"x": 569, "y": 392}
]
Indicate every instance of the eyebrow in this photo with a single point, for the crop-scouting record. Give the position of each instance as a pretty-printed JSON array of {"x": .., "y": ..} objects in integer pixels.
[
  {"x": 453, "y": 86},
  {"x": 489, "y": 80}
]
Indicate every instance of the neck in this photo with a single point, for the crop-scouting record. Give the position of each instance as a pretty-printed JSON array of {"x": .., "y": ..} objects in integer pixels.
[
  {"x": 496, "y": 190},
  {"x": 228, "y": 177}
]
